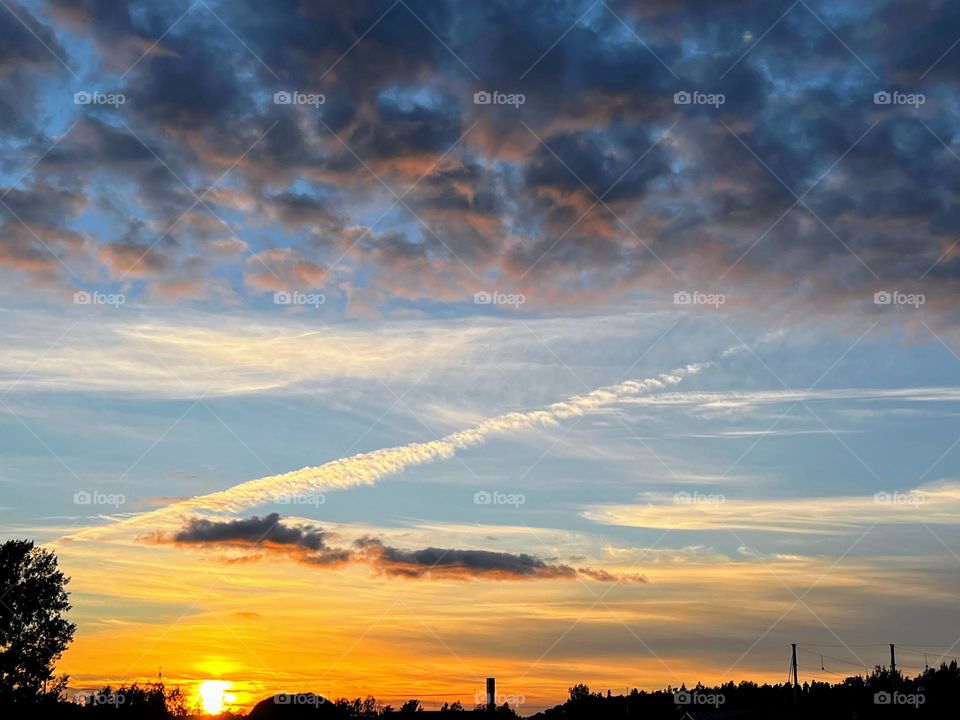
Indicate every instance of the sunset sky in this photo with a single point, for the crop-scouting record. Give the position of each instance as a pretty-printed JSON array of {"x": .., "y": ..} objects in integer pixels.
[{"x": 381, "y": 347}]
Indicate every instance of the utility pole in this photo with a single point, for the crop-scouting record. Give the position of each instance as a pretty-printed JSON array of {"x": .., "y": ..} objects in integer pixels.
[
  {"x": 893, "y": 661},
  {"x": 793, "y": 662}
]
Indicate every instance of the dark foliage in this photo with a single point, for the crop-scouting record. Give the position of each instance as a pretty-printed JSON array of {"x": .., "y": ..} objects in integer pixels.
[
  {"x": 33, "y": 630},
  {"x": 932, "y": 694}
]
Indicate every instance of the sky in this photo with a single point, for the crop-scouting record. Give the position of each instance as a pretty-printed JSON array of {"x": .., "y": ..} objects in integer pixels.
[{"x": 382, "y": 347}]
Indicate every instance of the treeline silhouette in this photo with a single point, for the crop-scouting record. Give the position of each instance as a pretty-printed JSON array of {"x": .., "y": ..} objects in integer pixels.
[
  {"x": 934, "y": 693},
  {"x": 882, "y": 695}
]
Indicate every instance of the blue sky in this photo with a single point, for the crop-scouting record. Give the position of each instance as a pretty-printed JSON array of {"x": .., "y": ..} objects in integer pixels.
[{"x": 748, "y": 206}]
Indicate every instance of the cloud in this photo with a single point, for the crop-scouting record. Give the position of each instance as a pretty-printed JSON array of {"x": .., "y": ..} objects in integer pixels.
[
  {"x": 256, "y": 534},
  {"x": 29, "y": 52},
  {"x": 368, "y": 468},
  {"x": 283, "y": 269},
  {"x": 733, "y": 401},
  {"x": 458, "y": 564},
  {"x": 692, "y": 195},
  {"x": 934, "y": 503},
  {"x": 133, "y": 259},
  {"x": 268, "y": 530},
  {"x": 605, "y": 576},
  {"x": 249, "y": 538},
  {"x": 185, "y": 355}
]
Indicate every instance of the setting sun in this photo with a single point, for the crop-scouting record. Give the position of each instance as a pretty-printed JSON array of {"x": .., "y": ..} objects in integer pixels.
[{"x": 213, "y": 696}]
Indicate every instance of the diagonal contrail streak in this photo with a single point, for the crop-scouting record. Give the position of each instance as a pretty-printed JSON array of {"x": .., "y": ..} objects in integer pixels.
[{"x": 367, "y": 468}]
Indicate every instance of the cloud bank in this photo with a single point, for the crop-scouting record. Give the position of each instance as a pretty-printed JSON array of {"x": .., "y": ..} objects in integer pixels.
[
  {"x": 800, "y": 191},
  {"x": 252, "y": 538}
]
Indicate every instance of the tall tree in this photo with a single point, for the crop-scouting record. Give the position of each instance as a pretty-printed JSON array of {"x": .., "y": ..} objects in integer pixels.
[{"x": 33, "y": 630}]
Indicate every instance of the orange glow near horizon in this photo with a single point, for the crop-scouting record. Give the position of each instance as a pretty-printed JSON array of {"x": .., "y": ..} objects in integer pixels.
[{"x": 261, "y": 628}]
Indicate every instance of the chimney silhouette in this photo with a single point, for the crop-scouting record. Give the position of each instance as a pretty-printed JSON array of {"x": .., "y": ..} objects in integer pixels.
[{"x": 491, "y": 693}]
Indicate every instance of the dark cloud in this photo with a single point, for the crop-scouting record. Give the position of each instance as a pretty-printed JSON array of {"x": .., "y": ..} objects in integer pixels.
[
  {"x": 602, "y": 163},
  {"x": 29, "y": 51},
  {"x": 296, "y": 210},
  {"x": 253, "y": 530},
  {"x": 308, "y": 544},
  {"x": 691, "y": 193},
  {"x": 445, "y": 563},
  {"x": 256, "y": 534}
]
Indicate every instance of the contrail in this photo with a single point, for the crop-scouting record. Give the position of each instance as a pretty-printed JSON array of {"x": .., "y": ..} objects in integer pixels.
[{"x": 368, "y": 468}]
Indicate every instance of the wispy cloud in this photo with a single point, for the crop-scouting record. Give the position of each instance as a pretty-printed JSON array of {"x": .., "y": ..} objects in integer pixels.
[
  {"x": 207, "y": 355},
  {"x": 368, "y": 468},
  {"x": 731, "y": 401},
  {"x": 934, "y": 503}
]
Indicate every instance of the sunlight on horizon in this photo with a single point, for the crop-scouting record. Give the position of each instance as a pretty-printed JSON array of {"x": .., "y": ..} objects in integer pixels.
[{"x": 213, "y": 696}]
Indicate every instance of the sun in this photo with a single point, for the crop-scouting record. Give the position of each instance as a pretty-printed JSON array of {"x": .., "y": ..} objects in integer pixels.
[{"x": 213, "y": 696}]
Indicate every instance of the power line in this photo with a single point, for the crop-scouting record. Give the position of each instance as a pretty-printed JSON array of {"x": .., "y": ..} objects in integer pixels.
[
  {"x": 845, "y": 645},
  {"x": 829, "y": 657}
]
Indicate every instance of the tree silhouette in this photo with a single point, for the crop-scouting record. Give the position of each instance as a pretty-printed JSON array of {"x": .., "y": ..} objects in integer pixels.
[
  {"x": 33, "y": 631},
  {"x": 410, "y": 707}
]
